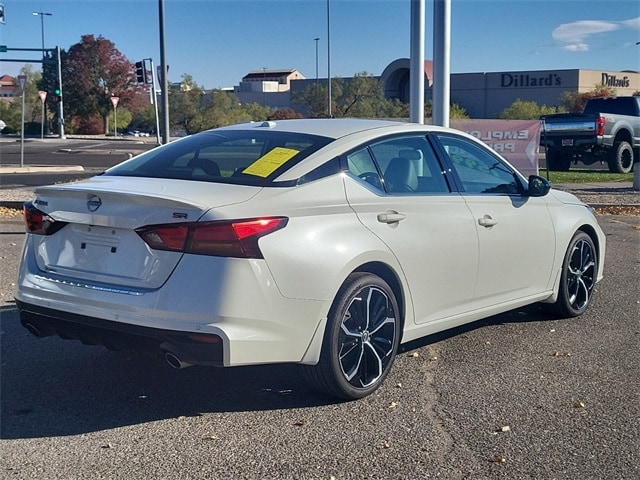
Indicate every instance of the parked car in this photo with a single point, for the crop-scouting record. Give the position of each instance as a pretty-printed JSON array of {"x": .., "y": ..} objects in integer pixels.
[
  {"x": 325, "y": 243},
  {"x": 607, "y": 130}
]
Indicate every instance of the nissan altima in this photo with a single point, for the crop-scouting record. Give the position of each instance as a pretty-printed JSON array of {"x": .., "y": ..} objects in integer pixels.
[{"x": 321, "y": 242}]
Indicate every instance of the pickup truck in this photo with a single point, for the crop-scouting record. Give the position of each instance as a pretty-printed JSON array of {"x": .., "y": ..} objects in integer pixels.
[{"x": 608, "y": 130}]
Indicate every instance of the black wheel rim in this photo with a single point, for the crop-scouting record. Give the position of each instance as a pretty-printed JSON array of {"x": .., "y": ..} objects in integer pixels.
[
  {"x": 581, "y": 274},
  {"x": 367, "y": 337}
]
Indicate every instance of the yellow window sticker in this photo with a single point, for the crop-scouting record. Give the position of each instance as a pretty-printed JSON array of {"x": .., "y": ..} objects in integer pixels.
[{"x": 269, "y": 163}]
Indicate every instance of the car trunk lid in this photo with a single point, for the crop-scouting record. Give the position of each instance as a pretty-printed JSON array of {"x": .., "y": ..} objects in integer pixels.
[{"x": 99, "y": 245}]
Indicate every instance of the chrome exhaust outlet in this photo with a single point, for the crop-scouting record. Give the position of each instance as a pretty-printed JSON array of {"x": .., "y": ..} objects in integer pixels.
[{"x": 175, "y": 362}]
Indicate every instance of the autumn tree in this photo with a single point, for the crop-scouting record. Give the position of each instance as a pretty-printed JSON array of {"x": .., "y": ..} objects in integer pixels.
[
  {"x": 284, "y": 114},
  {"x": 93, "y": 71},
  {"x": 574, "y": 102}
]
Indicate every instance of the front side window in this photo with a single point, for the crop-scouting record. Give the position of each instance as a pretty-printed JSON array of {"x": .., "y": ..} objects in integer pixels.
[
  {"x": 479, "y": 170},
  {"x": 236, "y": 156}
]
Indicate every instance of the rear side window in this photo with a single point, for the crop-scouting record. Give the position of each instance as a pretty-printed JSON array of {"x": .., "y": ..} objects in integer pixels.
[
  {"x": 400, "y": 165},
  {"x": 235, "y": 156}
]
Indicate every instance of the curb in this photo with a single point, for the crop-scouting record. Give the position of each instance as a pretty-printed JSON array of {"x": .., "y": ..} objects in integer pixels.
[{"x": 41, "y": 169}]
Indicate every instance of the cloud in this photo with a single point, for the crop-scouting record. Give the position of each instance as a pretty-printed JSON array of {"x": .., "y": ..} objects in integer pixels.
[{"x": 575, "y": 35}]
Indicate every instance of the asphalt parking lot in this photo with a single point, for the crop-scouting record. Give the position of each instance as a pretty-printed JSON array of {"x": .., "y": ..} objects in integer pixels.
[{"x": 516, "y": 396}]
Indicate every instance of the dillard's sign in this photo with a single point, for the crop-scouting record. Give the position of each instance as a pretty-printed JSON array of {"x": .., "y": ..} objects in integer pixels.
[
  {"x": 523, "y": 80},
  {"x": 613, "y": 81}
]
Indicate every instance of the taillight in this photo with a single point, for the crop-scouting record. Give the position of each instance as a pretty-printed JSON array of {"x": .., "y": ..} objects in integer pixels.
[
  {"x": 38, "y": 222},
  {"x": 236, "y": 238},
  {"x": 600, "y": 121}
]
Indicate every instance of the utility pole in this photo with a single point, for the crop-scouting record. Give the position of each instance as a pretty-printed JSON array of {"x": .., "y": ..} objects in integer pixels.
[{"x": 164, "y": 79}]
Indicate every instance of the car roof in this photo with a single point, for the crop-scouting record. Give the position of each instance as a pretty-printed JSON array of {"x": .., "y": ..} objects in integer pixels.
[{"x": 327, "y": 127}]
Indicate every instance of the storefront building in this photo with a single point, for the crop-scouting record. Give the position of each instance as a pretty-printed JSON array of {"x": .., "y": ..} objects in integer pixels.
[{"x": 485, "y": 95}]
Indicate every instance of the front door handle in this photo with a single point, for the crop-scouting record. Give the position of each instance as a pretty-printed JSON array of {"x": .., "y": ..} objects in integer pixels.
[
  {"x": 390, "y": 216},
  {"x": 487, "y": 221}
]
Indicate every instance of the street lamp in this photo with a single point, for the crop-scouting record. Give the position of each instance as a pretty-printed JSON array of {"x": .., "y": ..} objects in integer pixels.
[
  {"x": 316, "y": 40},
  {"x": 328, "y": 61},
  {"x": 42, "y": 15}
]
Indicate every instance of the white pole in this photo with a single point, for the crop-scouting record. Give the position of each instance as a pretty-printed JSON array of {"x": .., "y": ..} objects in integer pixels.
[
  {"x": 441, "y": 57},
  {"x": 416, "y": 96}
]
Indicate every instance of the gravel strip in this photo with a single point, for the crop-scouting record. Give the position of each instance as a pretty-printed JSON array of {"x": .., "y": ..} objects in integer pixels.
[{"x": 612, "y": 198}]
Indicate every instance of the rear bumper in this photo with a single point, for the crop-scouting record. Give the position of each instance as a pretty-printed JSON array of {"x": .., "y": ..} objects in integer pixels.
[{"x": 189, "y": 348}]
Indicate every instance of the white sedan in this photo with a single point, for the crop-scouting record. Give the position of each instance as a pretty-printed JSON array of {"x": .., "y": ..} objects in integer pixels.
[{"x": 325, "y": 243}]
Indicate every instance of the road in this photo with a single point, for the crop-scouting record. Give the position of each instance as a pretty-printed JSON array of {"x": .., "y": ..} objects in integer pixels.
[
  {"x": 517, "y": 396},
  {"x": 93, "y": 154}
]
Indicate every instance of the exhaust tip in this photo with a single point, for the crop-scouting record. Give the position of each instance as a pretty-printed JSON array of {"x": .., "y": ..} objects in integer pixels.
[
  {"x": 175, "y": 362},
  {"x": 33, "y": 330}
]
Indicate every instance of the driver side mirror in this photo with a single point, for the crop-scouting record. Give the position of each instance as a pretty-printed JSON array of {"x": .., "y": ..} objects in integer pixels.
[{"x": 538, "y": 186}]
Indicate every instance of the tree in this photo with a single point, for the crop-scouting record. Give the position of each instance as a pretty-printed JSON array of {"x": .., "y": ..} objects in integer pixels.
[
  {"x": 284, "y": 114},
  {"x": 525, "y": 110},
  {"x": 11, "y": 114},
  {"x": 455, "y": 110},
  {"x": 92, "y": 72},
  {"x": 361, "y": 96},
  {"x": 574, "y": 102}
]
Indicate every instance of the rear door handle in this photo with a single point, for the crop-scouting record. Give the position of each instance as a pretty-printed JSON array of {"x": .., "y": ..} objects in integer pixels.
[
  {"x": 390, "y": 217},
  {"x": 487, "y": 221}
]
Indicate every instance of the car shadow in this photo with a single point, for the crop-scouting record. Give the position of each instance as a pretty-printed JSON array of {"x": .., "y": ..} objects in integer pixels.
[{"x": 54, "y": 387}]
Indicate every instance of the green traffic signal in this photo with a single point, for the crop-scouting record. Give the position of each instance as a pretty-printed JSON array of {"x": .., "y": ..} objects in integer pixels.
[{"x": 56, "y": 91}]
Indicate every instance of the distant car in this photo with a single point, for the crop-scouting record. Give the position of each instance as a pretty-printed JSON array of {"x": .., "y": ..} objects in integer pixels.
[
  {"x": 325, "y": 243},
  {"x": 137, "y": 133}
]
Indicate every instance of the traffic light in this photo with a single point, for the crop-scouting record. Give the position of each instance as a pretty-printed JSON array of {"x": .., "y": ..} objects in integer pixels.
[
  {"x": 141, "y": 74},
  {"x": 56, "y": 96}
]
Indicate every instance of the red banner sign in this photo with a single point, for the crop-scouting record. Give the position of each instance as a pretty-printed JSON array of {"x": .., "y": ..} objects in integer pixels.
[{"x": 515, "y": 140}]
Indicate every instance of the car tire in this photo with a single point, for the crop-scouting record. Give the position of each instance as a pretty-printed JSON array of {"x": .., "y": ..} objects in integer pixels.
[
  {"x": 578, "y": 278},
  {"x": 620, "y": 158},
  {"x": 361, "y": 339}
]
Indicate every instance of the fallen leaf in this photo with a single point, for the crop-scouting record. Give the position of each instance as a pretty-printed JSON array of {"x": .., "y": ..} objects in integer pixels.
[
  {"x": 578, "y": 405},
  {"x": 506, "y": 428},
  {"x": 210, "y": 437},
  {"x": 415, "y": 354},
  {"x": 300, "y": 423},
  {"x": 560, "y": 354},
  {"x": 433, "y": 359},
  {"x": 497, "y": 459},
  {"x": 385, "y": 445},
  {"x": 392, "y": 405},
  {"x": 398, "y": 385}
]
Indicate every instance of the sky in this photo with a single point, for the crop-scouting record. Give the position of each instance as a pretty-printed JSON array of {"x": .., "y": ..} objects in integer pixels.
[{"x": 217, "y": 42}]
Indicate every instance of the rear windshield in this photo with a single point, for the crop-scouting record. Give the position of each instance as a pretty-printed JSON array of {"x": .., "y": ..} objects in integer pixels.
[
  {"x": 242, "y": 157},
  {"x": 618, "y": 105}
]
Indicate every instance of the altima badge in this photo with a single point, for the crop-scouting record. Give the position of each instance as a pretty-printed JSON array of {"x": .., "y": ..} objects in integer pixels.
[{"x": 94, "y": 203}]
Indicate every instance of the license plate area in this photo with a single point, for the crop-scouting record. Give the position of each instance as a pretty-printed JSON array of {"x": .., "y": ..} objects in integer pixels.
[{"x": 567, "y": 142}]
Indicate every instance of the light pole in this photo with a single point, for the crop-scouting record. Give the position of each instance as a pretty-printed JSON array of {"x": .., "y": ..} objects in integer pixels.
[
  {"x": 264, "y": 79},
  {"x": 329, "y": 113},
  {"x": 316, "y": 40},
  {"x": 42, "y": 15}
]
